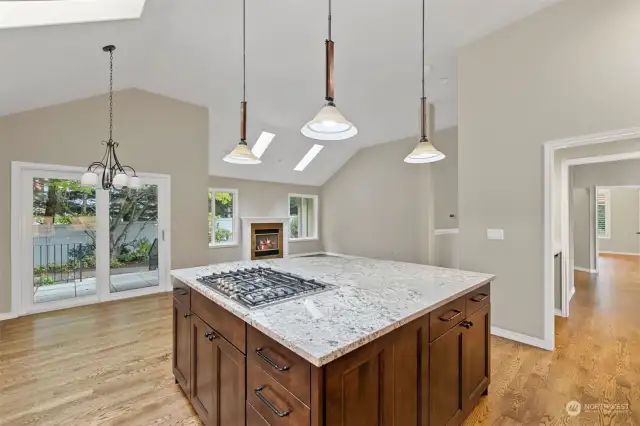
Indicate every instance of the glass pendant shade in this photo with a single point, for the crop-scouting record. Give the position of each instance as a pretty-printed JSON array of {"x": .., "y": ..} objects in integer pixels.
[
  {"x": 120, "y": 181},
  {"x": 89, "y": 180},
  {"x": 329, "y": 125},
  {"x": 241, "y": 154},
  {"x": 134, "y": 183},
  {"x": 424, "y": 152}
]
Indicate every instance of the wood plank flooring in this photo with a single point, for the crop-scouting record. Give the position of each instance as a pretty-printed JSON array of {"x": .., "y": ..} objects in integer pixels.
[{"x": 110, "y": 364}]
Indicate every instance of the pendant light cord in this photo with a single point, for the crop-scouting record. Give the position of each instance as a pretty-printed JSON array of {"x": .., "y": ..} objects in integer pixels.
[
  {"x": 111, "y": 96},
  {"x": 329, "y": 19},
  {"x": 244, "y": 49},
  {"x": 423, "y": 18}
]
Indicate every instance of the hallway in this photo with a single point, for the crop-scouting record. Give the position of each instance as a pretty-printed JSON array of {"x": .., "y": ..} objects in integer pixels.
[{"x": 596, "y": 361}]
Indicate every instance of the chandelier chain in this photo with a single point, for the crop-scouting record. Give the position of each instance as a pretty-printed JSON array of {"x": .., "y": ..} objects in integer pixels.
[{"x": 111, "y": 96}]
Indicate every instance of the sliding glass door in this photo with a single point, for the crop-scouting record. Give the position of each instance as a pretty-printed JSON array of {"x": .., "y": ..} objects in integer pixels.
[{"x": 80, "y": 245}]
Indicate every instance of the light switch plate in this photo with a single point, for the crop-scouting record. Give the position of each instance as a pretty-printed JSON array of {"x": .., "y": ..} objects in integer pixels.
[{"x": 495, "y": 234}]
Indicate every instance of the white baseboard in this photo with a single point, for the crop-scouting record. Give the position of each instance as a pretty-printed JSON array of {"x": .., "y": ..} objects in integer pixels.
[
  {"x": 573, "y": 291},
  {"x": 618, "y": 252},
  {"x": 307, "y": 254},
  {"x": 348, "y": 256},
  {"x": 522, "y": 338},
  {"x": 589, "y": 271},
  {"x": 8, "y": 316},
  {"x": 558, "y": 312},
  {"x": 446, "y": 231}
]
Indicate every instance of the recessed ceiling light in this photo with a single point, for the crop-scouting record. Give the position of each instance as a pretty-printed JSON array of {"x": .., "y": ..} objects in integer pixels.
[
  {"x": 308, "y": 158},
  {"x": 262, "y": 143}
]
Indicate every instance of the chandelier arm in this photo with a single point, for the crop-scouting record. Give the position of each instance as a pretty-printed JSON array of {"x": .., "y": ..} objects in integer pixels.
[
  {"x": 132, "y": 169},
  {"x": 117, "y": 164}
]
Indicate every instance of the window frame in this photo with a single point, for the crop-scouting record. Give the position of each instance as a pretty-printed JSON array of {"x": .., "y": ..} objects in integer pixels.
[
  {"x": 316, "y": 211},
  {"x": 607, "y": 213},
  {"x": 234, "y": 242}
]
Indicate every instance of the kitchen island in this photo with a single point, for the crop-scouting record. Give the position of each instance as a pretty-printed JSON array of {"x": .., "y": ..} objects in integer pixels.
[{"x": 391, "y": 344}]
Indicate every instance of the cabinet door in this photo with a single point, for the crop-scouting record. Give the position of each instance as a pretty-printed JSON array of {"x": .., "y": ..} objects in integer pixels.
[
  {"x": 217, "y": 377},
  {"x": 182, "y": 346},
  {"x": 476, "y": 356},
  {"x": 358, "y": 387},
  {"x": 446, "y": 406}
]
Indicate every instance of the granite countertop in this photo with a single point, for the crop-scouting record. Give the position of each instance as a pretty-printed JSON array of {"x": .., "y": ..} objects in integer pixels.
[{"x": 372, "y": 298}]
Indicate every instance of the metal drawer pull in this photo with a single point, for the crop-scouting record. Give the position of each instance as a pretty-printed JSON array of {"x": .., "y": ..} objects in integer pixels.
[
  {"x": 270, "y": 405},
  {"x": 187, "y": 315},
  {"x": 183, "y": 292},
  {"x": 209, "y": 336},
  {"x": 480, "y": 297},
  {"x": 270, "y": 361},
  {"x": 457, "y": 314}
]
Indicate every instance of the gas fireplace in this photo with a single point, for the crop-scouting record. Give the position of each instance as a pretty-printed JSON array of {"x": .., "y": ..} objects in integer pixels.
[{"x": 266, "y": 241}]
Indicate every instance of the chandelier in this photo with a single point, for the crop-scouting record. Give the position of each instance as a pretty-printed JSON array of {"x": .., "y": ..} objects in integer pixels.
[{"x": 113, "y": 173}]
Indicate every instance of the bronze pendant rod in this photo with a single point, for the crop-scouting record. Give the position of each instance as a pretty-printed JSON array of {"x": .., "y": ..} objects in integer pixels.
[
  {"x": 329, "y": 71},
  {"x": 423, "y": 100},
  {"x": 243, "y": 122}
]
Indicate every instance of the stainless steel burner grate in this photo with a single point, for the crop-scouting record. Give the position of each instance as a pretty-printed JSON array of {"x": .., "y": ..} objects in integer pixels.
[{"x": 259, "y": 287}]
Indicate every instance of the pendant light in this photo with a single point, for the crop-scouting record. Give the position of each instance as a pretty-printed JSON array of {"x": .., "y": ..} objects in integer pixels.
[
  {"x": 241, "y": 154},
  {"x": 424, "y": 152},
  {"x": 113, "y": 173},
  {"x": 329, "y": 124}
]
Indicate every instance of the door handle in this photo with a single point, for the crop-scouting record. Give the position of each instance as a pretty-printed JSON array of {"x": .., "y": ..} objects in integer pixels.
[{"x": 269, "y": 404}]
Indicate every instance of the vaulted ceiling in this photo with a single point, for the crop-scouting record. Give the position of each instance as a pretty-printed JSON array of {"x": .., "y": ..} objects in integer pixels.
[{"x": 191, "y": 50}]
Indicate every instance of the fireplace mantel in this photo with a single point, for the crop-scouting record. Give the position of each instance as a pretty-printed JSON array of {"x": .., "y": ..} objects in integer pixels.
[{"x": 246, "y": 233}]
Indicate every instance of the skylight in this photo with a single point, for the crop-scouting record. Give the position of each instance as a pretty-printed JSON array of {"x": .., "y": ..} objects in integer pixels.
[
  {"x": 15, "y": 14},
  {"x": 308, "y": 158},
  {"x": 262, "y": 144}
]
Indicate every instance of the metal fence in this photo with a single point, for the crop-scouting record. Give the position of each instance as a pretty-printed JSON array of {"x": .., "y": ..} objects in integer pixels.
[{"x": 59, "y": 263}]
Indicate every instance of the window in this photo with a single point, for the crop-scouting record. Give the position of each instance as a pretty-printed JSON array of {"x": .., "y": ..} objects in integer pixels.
[
  {"x": 603, "y": 219},
  {"x": 223, "y": 217},
  {"x": 303, "y": 215}
]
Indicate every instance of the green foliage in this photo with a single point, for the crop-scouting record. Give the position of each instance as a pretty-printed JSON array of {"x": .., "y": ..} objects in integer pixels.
[
  {"x": 293, "y": 227},
  {"x": 45, "y": 280},
  {"x": 222, "y": 235}
]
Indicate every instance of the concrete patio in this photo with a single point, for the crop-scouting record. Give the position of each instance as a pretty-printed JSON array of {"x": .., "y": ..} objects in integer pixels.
[{"x": 88, "y": 286}]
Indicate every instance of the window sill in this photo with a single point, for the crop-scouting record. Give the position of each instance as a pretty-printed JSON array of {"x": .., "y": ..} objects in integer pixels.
[
  {"x": 297, "y": 240},
  {"x": 229, "y": 245}
]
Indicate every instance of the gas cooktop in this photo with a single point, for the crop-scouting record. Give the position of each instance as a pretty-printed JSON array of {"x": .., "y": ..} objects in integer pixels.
[{"x": 259, "y": 287}]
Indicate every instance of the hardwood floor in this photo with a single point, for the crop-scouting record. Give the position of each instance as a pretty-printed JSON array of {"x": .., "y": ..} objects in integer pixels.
[{"x": 110, "y": 364}]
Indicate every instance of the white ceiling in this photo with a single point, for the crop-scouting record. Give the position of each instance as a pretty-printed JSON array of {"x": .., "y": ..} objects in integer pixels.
[{"x": 191, "y": 50}]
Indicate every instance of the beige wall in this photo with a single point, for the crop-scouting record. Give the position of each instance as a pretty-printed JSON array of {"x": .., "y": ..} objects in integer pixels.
[
  {"x": 263, "y": 199},
  {"x": 582, "y": 227},
  {"x": 445, "y": 179},
  {"x": 376, "y": 205},
  {"x": 570, "y": 70},
  {"x": 624, "y": 222},
  {"x": 157, "y": 135}
]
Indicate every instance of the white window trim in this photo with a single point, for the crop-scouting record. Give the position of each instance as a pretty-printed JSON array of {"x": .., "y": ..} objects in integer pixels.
[
  {"x": 235, "y": 241},
  {"x": 607, "y": 213},
  {"x": 316, "y": 208}
]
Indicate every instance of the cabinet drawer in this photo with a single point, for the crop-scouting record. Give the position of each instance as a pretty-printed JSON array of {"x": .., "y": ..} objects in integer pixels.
[
  {"x": 272, "y": 401},
  {"x": 181, "y": 292},
  {"x": 225, "y": 323},
  {"x": 478, "y": 298},
  {"x": 289, "y": 369},
  {"x": 446, "y": 317},
  {"x": 255, "y": 419}
]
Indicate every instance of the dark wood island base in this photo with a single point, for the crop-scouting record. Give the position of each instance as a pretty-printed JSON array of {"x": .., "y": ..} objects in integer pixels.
[{"x": 429, "y": 372}]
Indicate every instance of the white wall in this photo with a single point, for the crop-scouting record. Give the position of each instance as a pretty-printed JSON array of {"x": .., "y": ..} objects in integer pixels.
[
  {"x": 263, "y": 199},
  {"x": 445, "y": 180},
  {"x": 571, "y": 69},
  {"x": 376, "y": 205},
  {"x": 582, "y": 227}
]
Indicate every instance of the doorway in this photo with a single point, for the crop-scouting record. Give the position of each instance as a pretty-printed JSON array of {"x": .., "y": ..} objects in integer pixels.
[{"x": 77, "y": 246}]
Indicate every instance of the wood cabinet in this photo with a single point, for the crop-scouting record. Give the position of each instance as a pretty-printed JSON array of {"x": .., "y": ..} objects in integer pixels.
[
  {"x": 182, "y": 346},
  {"x": 217, "y": 377},
  {"x": 382, "y": 383},
  {"x": 429, "y": 372},
  {"x": 460, "y": 369}
]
